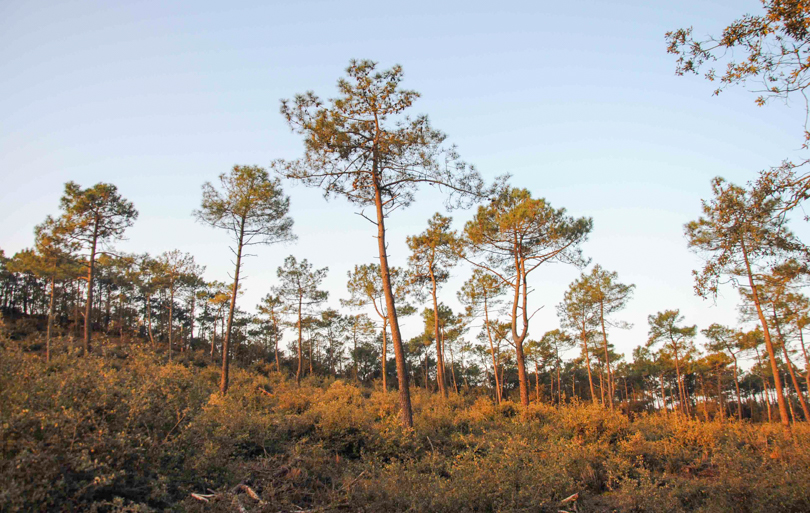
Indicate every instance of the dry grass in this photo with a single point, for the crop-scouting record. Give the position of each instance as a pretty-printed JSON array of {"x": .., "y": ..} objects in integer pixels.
[{"x": 126, "y": 432}]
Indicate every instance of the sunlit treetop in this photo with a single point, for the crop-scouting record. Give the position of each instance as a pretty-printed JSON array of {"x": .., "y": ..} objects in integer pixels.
[{"x": 362, "y": 143}]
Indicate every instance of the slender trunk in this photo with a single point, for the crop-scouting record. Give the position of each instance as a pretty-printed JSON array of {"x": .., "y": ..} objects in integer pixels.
[
  {"x": 88, "y": 328},
  {"x": 703, "y": 391},
  {"x": 452, "y": 367},
  {"x": 311, "y": 341},
  {"x": 424, "y": 364},
  {"x": 501, "y": 368},
  {"x": 628, "y": 397},
  {"x": 806, "y": 359},
  {"x": 440, "y": 377},
  {"x": 607, "y": 353},
  {"x": 559, "y": 380},
  {"x": 149, "y": 321},
  {"x": 300, "y": 369},
  {"x": 213, "y": 338},
  {"x": 384, "y": 356},
  {"x": 50, "y": 324},
  {"x": 492, "y": 350},
  {"x": 275, "y": 343},
  {"x": 681, "y": 390},
  {"x": 780, "y": 396},
  {"x": 588, "y": 362},
  {"x": 789, "y": 364},
  {"x": 790, "y": 406},
  {"x": 107, "y": 310},
  {"x": 171, "y": 318},
  {"x": 406, "y": 414},
  {"x": 766, "y": 388},
  {"x": 354, "y": 353},
  {"x": 737, "y": 387},
  {"x": 721, "y": 404},
  {"x": 602, "y": 385},
  {"x": 226, "y": 357},
  {"x": 121, "y": 314},
  {"x": 536, "y": 381},
  {"x": 671, "y": 395},
  {"x": 191, "y": 318}
]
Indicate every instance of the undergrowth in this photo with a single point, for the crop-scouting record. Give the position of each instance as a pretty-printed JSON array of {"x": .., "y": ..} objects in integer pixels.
[{"x": 130, "y": 432}]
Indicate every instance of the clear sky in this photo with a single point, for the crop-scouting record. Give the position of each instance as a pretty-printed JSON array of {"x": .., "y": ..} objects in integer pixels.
[{"x": 577, "y": 100}]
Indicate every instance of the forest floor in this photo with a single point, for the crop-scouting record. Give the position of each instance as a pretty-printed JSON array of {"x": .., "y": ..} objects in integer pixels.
[{"x": 127, "y": 431}]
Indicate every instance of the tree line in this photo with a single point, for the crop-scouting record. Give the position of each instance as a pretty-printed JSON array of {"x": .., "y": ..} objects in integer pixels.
[{"x": 364, "y": 147}]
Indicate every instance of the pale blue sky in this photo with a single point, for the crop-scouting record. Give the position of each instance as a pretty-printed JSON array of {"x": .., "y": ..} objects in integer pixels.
[{"x": 577, "y": 100}]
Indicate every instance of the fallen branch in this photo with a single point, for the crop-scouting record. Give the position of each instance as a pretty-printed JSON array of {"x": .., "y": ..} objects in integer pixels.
[{"x": 201, "y": 497}]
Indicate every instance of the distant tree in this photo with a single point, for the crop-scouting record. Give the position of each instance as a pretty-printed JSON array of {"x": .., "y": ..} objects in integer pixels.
[
  {"x": 366, "y": 287},
  {"x": 536, "y": 351},
  {"x": 53, "y": 261},
  {"x": 751, "y": 341},
  {"x": 478, "y": 295},
  {"x": 362, "y": 147},
  {"x": 219, "y": 297},
  {"x": 298, "y": 290},
  {"x": 273, "y": 307},
  {"x": 724, "y": 339},
  {"x": 665, "y": 329},
  {"x": 360, "y": 330},
  {"x": 741, "y": 234},
  {"x": 430, "y": 261},
  {"x": 253, "y": 209},
  {"x": 797, "y": 306},
  {"x": 774, "y": 288},
  {"x": 174, "y": 266},
  {"x": 193, "y": 283},
  {"x": 331, "y": 326},
  {"x": 511, "y": 237},
  {"x": 558, "y": 341},
  {"x": 450, "y": 328},
  {"x": 610, "y": 296},
  {"x": 579, "y": 312},
  {"x": 92, "y": 218}
]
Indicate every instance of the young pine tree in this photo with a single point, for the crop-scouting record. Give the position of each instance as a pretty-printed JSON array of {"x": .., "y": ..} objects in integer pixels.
[{"x": 252, "y": 208}]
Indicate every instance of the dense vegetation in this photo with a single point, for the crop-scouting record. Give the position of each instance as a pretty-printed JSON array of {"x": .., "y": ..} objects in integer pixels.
[
  {"x": 123, "y": 430},
  {"x": 130, "y": 382}
]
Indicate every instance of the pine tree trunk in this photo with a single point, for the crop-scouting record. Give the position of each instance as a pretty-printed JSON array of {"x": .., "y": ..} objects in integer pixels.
[
  {"x": 780, "y": 397},
  {"x": 521, "y": 297},
  {"x": 440, "y": 377},
  {"x": 610, "y": 391},
  {"x": 406, "y": 415},
  {"x": 492, "y": 350},
  {"x": 536, "y": 381},
  {"x": 226, "y": 356},
  {"x": 171, "y": 319},
  {"x": 737, "y": 387},
  {"x": 50, "y": 324},
  {"x": 588, "y": 363},
  {"x": 300, "y": 369},
  {"x": 384, "y": 356},
  {"x": 789, "y": 364},
  {"x": 88, "y": 320},
  {"x": 806, "y": 359}
]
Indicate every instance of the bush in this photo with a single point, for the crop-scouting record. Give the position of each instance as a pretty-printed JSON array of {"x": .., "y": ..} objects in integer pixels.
[{"x": 128, "y": 432}]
